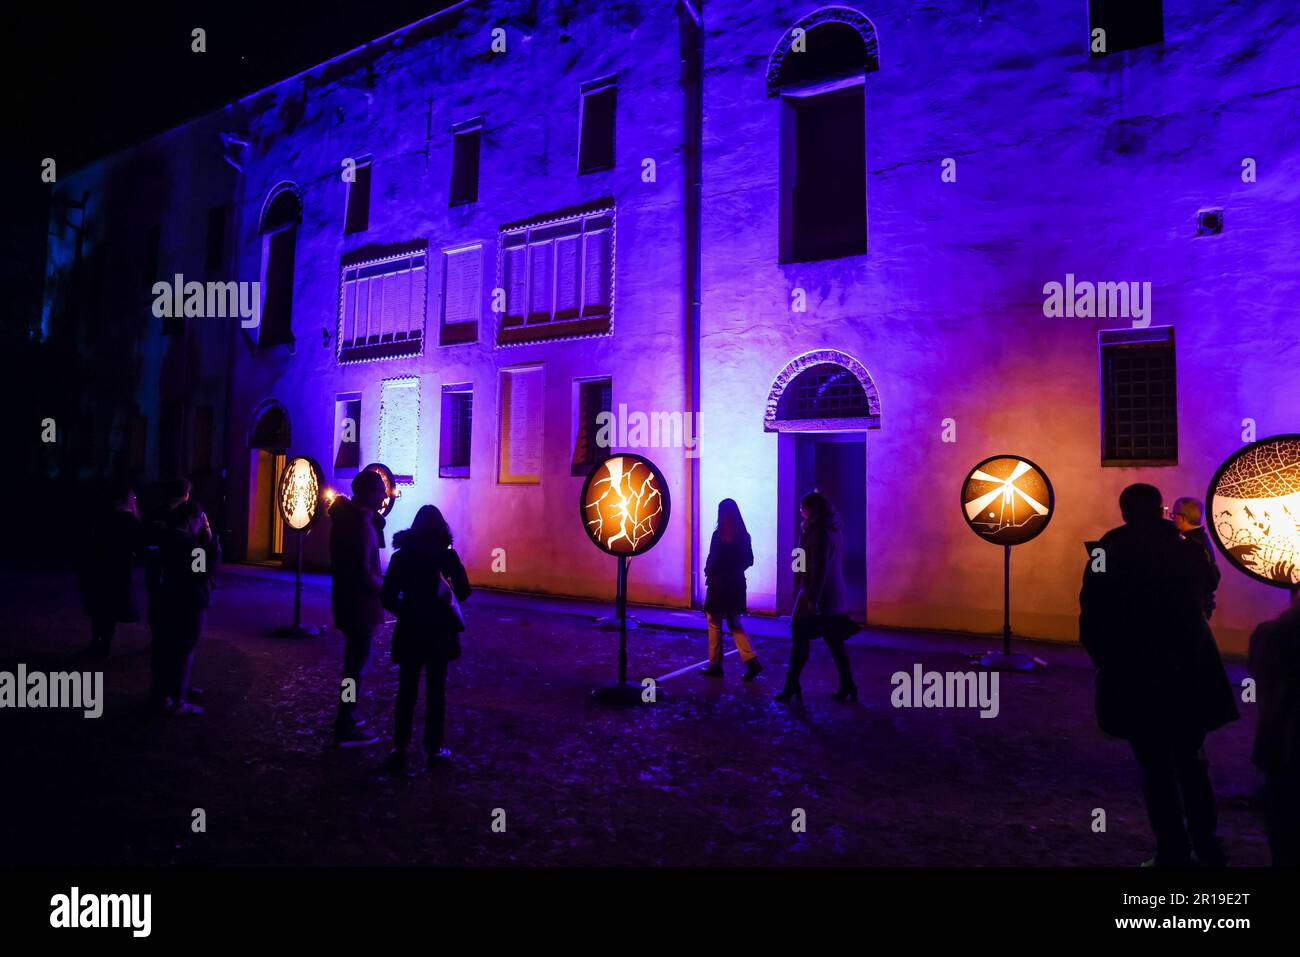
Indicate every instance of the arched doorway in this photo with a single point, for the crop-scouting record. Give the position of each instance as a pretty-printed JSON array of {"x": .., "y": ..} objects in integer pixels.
[
  {"x": 822, "y": 404},
  {"x": 268, "y": 444}
]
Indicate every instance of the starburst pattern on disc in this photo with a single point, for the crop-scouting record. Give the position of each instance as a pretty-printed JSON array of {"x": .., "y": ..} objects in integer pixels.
[{"x": 1007, "y": 500}]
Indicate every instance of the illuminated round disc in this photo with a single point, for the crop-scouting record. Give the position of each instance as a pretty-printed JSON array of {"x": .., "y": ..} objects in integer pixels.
[
  {"x": 1007, "y": 500},
  {"x": 1253, "y": 510},
  {"x": 390, "y": 486},
  {"x": 299, "y": 494},
  {"x": 624, "y": 505}
]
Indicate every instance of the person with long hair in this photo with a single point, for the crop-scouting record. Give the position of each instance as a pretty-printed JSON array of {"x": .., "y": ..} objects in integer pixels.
[
  {"x": 819, "y": 605},
  {"x": 424, "y": 587},
  {"x": 724, "y": 597}
]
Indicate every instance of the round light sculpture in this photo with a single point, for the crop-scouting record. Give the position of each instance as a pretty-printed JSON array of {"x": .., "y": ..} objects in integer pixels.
[
  {"x": 624, "y": 511},
  {"x": 1007, "y": 500},
  {"x": 391, "y": 491},
  {"x": 1253, "y": 507},
  {"x": 625, "y": 505},
  {"x": 301, "y": 494},
  {"x": 301, "y": 498}
]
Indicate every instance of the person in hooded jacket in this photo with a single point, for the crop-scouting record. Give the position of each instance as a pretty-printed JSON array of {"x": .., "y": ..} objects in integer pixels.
[
  {"x": 356, "y": 582},
  {"x": 1161, "y": 684},
  {"x": 105, "y": 575},
  {"x": 424, "y": 587}
]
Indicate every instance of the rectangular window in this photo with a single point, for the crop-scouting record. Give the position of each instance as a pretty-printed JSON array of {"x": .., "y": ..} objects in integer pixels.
[
  {"x": 824, "y": 175},
  {"x": 594, "y": 396},
  {"x": 462, "y": 293},
  {"x": 1139, "y": 397},
  {"x": 1124, "y": 25},
  {"x": 357, "y": 217},
  {"x": 399, "y": 427},
  {"x": 277, "y": 288},
  {"x": 382, "y": 313},
  {"x": 558, "y": 276},
  {"x": 464, "y": 163},
  {"x": 347, "y": 431},
  {"x": 214, "y": 257},
  {"x": 520, "y": 438},
  {"x": 457, "y": 430},
  {"x": 596, "y": 126}
]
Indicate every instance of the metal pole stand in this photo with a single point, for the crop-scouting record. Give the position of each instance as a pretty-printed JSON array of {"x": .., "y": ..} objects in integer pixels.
[
  {"x": 298, "y": 629},
  {"x": 621, "y": 693},
  {"x": 1004, "y": 660}
]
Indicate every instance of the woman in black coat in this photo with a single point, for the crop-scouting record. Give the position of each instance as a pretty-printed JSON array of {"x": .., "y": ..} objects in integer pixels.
[
  {"x": 424, "y": 587},
  {"x": 724, "y": 597},
  {"x": 819, "y": 605}
]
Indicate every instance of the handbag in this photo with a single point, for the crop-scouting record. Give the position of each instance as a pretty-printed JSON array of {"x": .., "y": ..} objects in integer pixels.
[{"x": 447, "y": 595}]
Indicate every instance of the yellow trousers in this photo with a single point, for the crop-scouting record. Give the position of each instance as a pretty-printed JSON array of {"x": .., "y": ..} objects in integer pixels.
[{"x": 737, "y": 635}]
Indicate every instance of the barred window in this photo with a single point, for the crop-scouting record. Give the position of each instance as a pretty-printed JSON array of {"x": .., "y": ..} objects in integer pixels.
[
  {"x": 457, "y": 430},
  {"x": 824, "y": 391},
  {"x": 558, "y": 276},
  {"x": 1139, "y": 397},
  {"x": 383, "y": 308}
]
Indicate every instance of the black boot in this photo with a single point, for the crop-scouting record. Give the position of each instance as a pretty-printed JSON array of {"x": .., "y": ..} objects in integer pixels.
[
  {"x": 846, "y": 693},
  {"x": 752, "y": 669},
  {"x": 791, "y": 690}
]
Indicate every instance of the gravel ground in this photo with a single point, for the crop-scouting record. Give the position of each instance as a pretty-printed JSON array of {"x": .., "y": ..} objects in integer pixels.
[{"x": 709, "y": 775}]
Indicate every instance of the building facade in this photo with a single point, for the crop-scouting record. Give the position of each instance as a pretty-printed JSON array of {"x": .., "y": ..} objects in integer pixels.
[{"x": 779, "y": 246}]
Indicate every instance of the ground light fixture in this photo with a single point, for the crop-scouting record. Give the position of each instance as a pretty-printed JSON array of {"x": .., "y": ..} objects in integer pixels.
[
  {"x": 1007, "y": 500},
  {"x": 302, "y": 498},
  {"x": 1253, "y": 510},
  {"x": 624, "y": 509}
]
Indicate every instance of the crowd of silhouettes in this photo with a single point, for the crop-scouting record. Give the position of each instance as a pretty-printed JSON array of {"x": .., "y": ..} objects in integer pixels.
[{"x": 1144, "y": 618}]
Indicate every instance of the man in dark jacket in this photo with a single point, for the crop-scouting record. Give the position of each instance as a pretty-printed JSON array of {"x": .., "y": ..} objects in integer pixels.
[
  {"x": 1275, "y": 666},
  {"x": 1161, "y": 684},
  {"x": 357, "y": 582},
  {"x": 1186, "y": 516}
]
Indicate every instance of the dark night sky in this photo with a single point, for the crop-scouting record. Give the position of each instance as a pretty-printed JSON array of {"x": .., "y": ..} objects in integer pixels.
[{"x": 84, "y": 81}]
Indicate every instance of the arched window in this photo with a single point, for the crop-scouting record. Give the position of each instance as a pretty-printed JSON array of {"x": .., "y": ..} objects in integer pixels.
[
  {"x": 818, "y": 70},
  {"x": 822, "y": 391},
  {"x": 279, "y": 229}
]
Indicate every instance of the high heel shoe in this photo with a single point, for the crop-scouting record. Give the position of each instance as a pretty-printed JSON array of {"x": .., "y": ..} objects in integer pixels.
[
  {"x": 790, "y": 691},
  {"x": 845, "y": 695}
]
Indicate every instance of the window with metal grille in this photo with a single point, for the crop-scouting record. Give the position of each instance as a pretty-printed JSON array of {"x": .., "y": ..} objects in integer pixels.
[
  {"x": 1139, "y": 399},
  {"x": 558, "y": 277},
  {"x": 594, "y": 397},
  {"x": 457, "y": 430},
  {"x": 1128, "y": 24},
  {"x": 383, "y": 307},
  {"x": 825, "y": 391}
]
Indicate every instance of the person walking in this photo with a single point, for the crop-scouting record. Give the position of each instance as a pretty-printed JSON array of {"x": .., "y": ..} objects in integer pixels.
[
  {"x": 105, "y": 576},
  {"x": 354, "y": 598},
  {"x": 424, "y": 587},
  {"x": 730, "y": 554},
  {"x": 1161, "y": 684},
  {"x": 819, "y": 604}
]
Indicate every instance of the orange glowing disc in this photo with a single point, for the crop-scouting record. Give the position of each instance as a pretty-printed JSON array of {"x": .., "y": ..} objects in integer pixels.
[{"x": 624, "y": 505}]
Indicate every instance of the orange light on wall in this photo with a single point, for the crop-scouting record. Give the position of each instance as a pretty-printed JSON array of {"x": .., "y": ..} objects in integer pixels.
[
  {"x": 1253, "y": 506},
  {"x": 624, "y": 511}
]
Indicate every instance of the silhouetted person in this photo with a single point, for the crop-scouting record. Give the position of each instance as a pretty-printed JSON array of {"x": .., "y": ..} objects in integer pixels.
[
  {"x": 105, "y": 573},
  {"x": 1186, "y": 515},
  {"x": 724, "y": 597},
  {"x": 1161, "y": 684},
  {"x": 187, "y": 559},
  {"x": 424, "y": 587},
  {"x": 819, "y": 608},
  {"x": 1275, "y": 666},
  {"x": 357, "y": 581}
]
